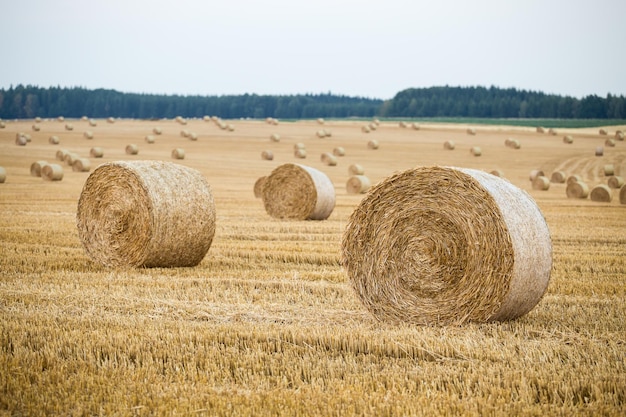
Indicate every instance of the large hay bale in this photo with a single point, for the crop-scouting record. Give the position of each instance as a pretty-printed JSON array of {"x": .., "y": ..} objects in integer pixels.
[
  {"x": 52, "y": 172},
  {"x": 53, "y": 140},
  {"x": 622, "y": 192},
  {"x": 132, "y": 149},
  {"x": 373, "y": 144},
  {"x": 476, "y": 151},
  {"x": 608, "y": 170},
  {"x": 3, "y": 175},
  {"x": 328, "y": 159},
  {"x": 356, "y": 169},
  {"x": 298, "y": 192},
  {"x": 339, "y": 151},
  {"x": 299, "y": 153},
  {"x": 577, "y": 189},
  {"x": 541, "y": 183},
  {"x": 601, "y": 193},
  {"x": 615, "y": 182},
  {"x": 81, "y": 165},
  {"x": 569, "y": 139},
  {"x": 36, "y": 167},
  {"x": 178, "y": 153},
  {"x": 258, "y": 186},
  {"x": 448, "y": 145},
  {"x": 146, "y": 213},
  {"x": 267, "y": 155},
  {"x": 535, "y": 173},
  {"x": 438, "y": 245},
  {"x": 558, "y": 177},
  {"x": 96, "y": 152},
  {"x": 358, "y": 184}
]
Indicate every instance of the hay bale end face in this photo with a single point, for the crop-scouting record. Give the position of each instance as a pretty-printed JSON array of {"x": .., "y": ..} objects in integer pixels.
[
  {"x": 358, "y": 184},
  {"x": 298, "y": 192},
  {"x": 35, "y": 168},
  {"x": 574, "y": 178},
  {"x": 436, "y": 245},
  {"x": 258, "y": 186},
  {"x": 601, "y": 193},
  {"x": 615, "y": 182},
  {"x": 599, "y": 151},
  {"x": 610, "y": 143},
  {"x": 577, "y": 189},
  {"x": 536, "y": 173},
  {"x": 558, "y": 177},
  {"x": 146, "y": 213},
  {"x": 81, "y": 165}
]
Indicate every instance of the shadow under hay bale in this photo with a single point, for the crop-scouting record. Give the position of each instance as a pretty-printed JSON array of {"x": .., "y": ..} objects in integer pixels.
[
  {"x": 437, "y": 246},
  {"x": 146, "y": 213}
]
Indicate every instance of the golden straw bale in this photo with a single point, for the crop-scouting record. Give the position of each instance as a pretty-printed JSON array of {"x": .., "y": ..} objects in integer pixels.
[
  {"x": 60, "y": 155},
  {"x": 61, "y": 119},
  {"x": 358, "y": 184},
  {"x": 328, "y": 159},
  {"x": 96, "y": 152},
  {"x": 512, "y": 143},
  {"x": 53, "y": 140},
  {"x": 603, "y": 132},
  {"x": 321, "y": 133},
  {"x": 574, "y": 178},
  {"x": 258, "y": 186},
  {"x": 299, "y": 153},
  {"x": 441, "y": 245},
  {"x": 298, "y": 192},
  {"x": 402, "y": 124},
  {"x": 110, "y": 120},
  {"x": 339, "y": 151},
  {"x": 471, "y": 131},
  {"x": 35, "y": 168},
  {"x": 2, "y": 124},
  {"x": 267, "y": 155},
  {"x": 476, "y": 151},
  {"x": 448, "y": 145},
  {"x": 356, "y": 169},
  {"x": 615, "y": 182},
  {"x": 540, "y": 129},
  {"x": 536, "y": 173},
  {"x": 157, "y": 130},
  {"x": 299, "y": 145},
  {"x": 320, "y": 121},
  {"x": 70, "y": 157},
  {"x": 372, "y": 126},
  {"x": 619, "y": 135},
  {"x": 558, "y": 177},
  {"x": 88, "y": 134},
  {"x": 608, "y": 170},
  {"x": 568, "y": 139},
  {"x": 601, "y": 193},
  {"x": 610, "y": 142},
  {"x": 52, "y": 172},
  {"x": 69, "y": 126},
  {"x": 178, "y": 153},
  {"x": 3, "y": 175},
  {"x": 365, "y": 129},
  {"x": 93, "y": 123},
  {"x": 415, "y": 126},
  {"x": 599, "y": 151},
  {"x": 577, "y": 189},
  {"x": 230, "y": 127},
  {"x": 541, "y": 183},
  {"x": 81, "y": 165},
  {"x": 184, "y": 133},
  {"x": 192, "y": 136},
  {"x": 149, "y": 139},
  {"x": 622, "y": 193},
  {"x": 37, "y": 119},
  {"x": 275, "y": 137},
  {"x": 373, "y": 144},
  {"x": 21, "y": 139},
  {"x": 552, "y": 132},
  {"x": 36, "y": 128},
  {"x": 132, "y": 149}
]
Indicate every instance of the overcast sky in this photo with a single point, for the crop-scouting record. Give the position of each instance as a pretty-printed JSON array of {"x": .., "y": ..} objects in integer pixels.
[{"x": 351, "y": 47}]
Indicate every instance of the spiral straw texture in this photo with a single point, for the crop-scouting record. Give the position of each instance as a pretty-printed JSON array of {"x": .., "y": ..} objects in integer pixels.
[{"x": 437, "y": 245}]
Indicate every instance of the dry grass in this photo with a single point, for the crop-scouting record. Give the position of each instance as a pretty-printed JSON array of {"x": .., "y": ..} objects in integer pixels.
[{"x": 267, "y": 323}]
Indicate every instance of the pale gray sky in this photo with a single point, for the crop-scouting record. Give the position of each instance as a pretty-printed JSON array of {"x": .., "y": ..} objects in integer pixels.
[{"x": 351, "y": 47}]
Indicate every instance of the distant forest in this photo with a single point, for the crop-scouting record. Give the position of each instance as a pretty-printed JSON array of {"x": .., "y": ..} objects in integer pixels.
[{"x": 22, "y": 102}]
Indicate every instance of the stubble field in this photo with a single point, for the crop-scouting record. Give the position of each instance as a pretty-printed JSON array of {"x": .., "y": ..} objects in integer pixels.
[{"x": 267, "y": 324}]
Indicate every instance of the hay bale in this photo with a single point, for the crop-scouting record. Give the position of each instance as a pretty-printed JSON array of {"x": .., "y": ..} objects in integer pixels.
[
  {"x": 321, "y": 133},
  {"x": 577, "y": 189},
  {"x": 69, "y": 126},
  {"x": 92, "y": 123},
  {"x": 358, "y": 184},
  {"x": 35, "y": 168},
  {"x": 541, "y": 183},
  {"x": 320, "y": 121},
  {"x": 448, "y": 145},
  {"x": 2, "y": 124},
  {"x": 27, "y": 136},
  {"x": 298, "y": 192},
  {"x": 96, "y": 152},
  {"x": 438, "y": 245},
  {"x": 3, "y": 175},
  {"x": 299, "y": 145},
  {"x": 52, "y": 172},
  {"x": 184, "y": 133},
  {"x": 132, "y": 149},
  {"x": 599, "y": 151},
  {"x": 36, "y": 128},
  {"x": 21, "y": 139},
  {"x": 70, "y": 157},
  {"x": 512, "y": 143},
  {"x": 608, "y": 170},
  {"x": 373, "y": 144},
  {"x": 568, "y": 139},
  {"x": 552, "y": 132},
  {"x": 110, "y": 120},
  {"x": 356, "y": 169},
  {"x": 415, "y": 126},
  {"x": 476, "y": 151},
  {"x": 61, "y": 119},
  {"x": 619, "y": 135},
  {"x": 61, "y": 153},
  {"x": 403, "y": 124},
  {"x": 192, "y": 136},
  {"x": 540, "y": 129},
  {"x": 497, "y": 173},
  {"x": 558, "y": 177},
  {"x": 615, "y": 182},
  {"x": 275, "y": 137},
  {"x": 339, "y": 151},
  {"x": 88, "y": 134},
  {"x": 299, "y": 153},
  {"x": 622, "y": 192},
  {"x": 230, "y": 127},
  {"x": 372, "y": 126},
  {"x": 601, "y": 193},
  {"x": 603, "y": 132},
  {"x": 81, "y": 165},
  {"x": 53, "y": 140},
  {"x": 610, "y": 142},
  {"x": 258, "y": 186},
  {"x": 157, "y": 130},
  {"x": 365, "y": 129},
  {"x": 574, "y": 178},
  {"x": 267, "y": 155},
  {"x": 471, "y": 131},
  {"x": 178, "y": 153},
  {"x": 535, "y": 173},
  {"x": 149, "y": 139},
  {"x": 146, "y": 214},
  {"x": 328, "y": 159}
]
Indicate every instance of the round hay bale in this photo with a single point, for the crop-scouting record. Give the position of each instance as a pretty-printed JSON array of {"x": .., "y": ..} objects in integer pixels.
[
  {"x": 415, "y": 126},
  {"x": 70, "y": 157},
  {"x": 552, "y": 132},
  {"x": 298, "y": 192},
  {"x": 146, "y": 214},
  {"x": 36, "y": 128},
  {"x": 601, "y": 193},
  {"x": 178, "y": 153},
  {"x": 230, "y": 127},
  {"x": 622, "y": 192},
  {"x": 599, "y": 151},
  {"x": 321, "y": 133},
  {"x": 577, "y": 189},
  {"x": 540, "y": 129},
  {"x": 3, "y": 175},
  {"x": 61, "y": 119},
  {"x": 88, "y": 134},
  {"x": 439, "y": 246},
  {"x": 448, "y": 145},
  {"x": 149, "y": 139},
  {"x": 619, "y": 135},
  {"x": 356, "y": 169},
  {"x": 299, "y": 145},
  {"x": 339, "y": 151},
  {"x": 184, "y": 133},
  {"x": 53, "y": 140},
  {"x": 328, "y": 159},
  {"x": 358, "y": 184},
  {"x": 497, "y": 173},
  {"x": 372, "y": 126},
  {"x": 110, "y": 120},
  {"x": 365, "y": 129},
  {"x": 320, "y": 121},
  {"x": 471, "y": 131},
  {"x": 512, "y": 143},
  {"x": 608, "y": 170},
  {"x": 258, "y": 186},
  {"x": 27, "y": 136},
  {"x": 60, "y": 155},
  {"x": 96, "y": 152},
  {"x": 403, "y": 124},
  {"x": 157, "y": 130},
  {"x": 603, "y": 132},
  {"x": 558, "y": 177},
  {"x": 132, "y": 149},
  {"x": 69, "y": 126},
  {"x": 21, "y": 140},
  {"x": 536, "y": 173},
  {"x": 267, "y": 155},
  {"x": 275, "y": 137},
  {"x": 609, "y": 142},
  {"x": 299, "y": 153},
  {"x": 476, "y": 151},
  {"x": 37, "y": 119},
  {"x": 92, "y": 123},
  {"x": 615, "y": 182},
  {"x": 81, "y": 165},
  {"x": 568, "y": 139},
  {"x": 541, "y": 183},
  {"x": 2, "y": 125},
  {"x": 574, "y": 178},
  {"x": 35, "y": 168},
  {"x": 52, "y": 172},
  {"x": 373, "y": 144}
]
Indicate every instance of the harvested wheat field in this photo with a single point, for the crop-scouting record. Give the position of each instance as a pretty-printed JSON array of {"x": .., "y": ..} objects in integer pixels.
[{"x": 268, "y": 323}]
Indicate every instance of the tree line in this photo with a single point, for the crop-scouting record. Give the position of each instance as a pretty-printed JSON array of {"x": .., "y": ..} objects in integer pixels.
[{"x": 28, "y": 101}]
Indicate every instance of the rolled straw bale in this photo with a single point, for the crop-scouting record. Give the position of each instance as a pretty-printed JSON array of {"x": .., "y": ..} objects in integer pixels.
[
  {"x": 608, "y": 170},
  {"x": 267, "y": 155},
  {"x": 149, "y": 139},
  {"x": 558, "y": 177},
  {"x": 299, "y": 145},
  {"x": 497, "y": 173},
  {"x": 599, "y": 151},
  {"x": 615, "y": 182},
  {"x": 81, "y": 165},
  {"x": 448, "y": 145},
  {"x": 2, "y": 124},
  {"x": 299, "y": 192},
  {"x": 540, "y": 129},
  {"x": 27, "y": 136},
  {"x": 568, "y": 139},
  {"x": 35, "y": 168},
  {"x": 372, "y": 126},
  {"x": 356, "y": 169},
  {"x": 53, "y": 140},
  {"x": 512, "y": 143},
  {"x": 321, "y": 133},
  {"x": 146, "y": 214},
  {"x": 157, "y": 130},
  {"x": 36, "y": 128},
  {"x": 619, "y": 135},
  {"x": 601, "y": 193},
  {"x": 88, "y": 134},
  {"x": 574, "y": 178},
  {"x": 622, "y": 191},
  {"x": 96, "y": 152},
  {"x": 373, "y": 144},
  {"x": 178, "y": 153},
  {"x": 70, "y": 157},
  {"x": 20, "y": 140},
  {"x": 471, "y": 131},
  {"x": 61, "y": 119},
  {"x": 193, "y": 136},
  {"x": 536, "y": 173},
  {"x": 320, "y": 121},
  {"x": 541, "y": 183},
  {"x": 92, "y": 123},
  {"x": 258, "y": 186},
  {"x": 339, "y": 151},
  {"x": 60, "y": 155},
  {"x": 365, "y": 129},
  {"x": 603, "y": 132},
  {"x": 476, "y": 151},
  {"x": 577, "y": 189},
  {"x": 3, "y": 175},
  {"x": 328, "y": 159},
  {"x": 403, "y": 124},
  {"x": 184, "y": 133},
  {"x": 440, "y": 245},
  {"x": 83, "y": 118},
  {"x": 415, "y": 126},
  {"x": 358, "y": 184},
  {"x": 69, "y": 126},
  {"x": 52, "y": 172},
  {"x": 37, "y": 119},
  {"x": 610, "y": 142},
  {"x": 275, "y": 137},
  {"x": 110, "y": 120},
  {"x": 230, "y": 127},
  {"x": 299, "y": 153},
  {"x": 552, "y": 132},
  {"x": 132, "y": 149}
]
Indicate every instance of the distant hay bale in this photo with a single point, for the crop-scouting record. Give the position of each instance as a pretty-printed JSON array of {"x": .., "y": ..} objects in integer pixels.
[
  {"x": 356, "y": 169},
  {"x": 37, "y": 119},
  {"x": 339, "y": 151},
  {"x": 299, "y": 153},
  {"x": 69, "y": 126},
  {"x": 146, "y": 214},
  {"x": 36, "y": 128},
  {"x": 88, "y": 134},
  {"x": 608, "y": 170},
  {"x": 615, "y": 182},
  {"x": 83, "y": 118},
  {"x": 96, "y": 152},
  {"x": 552, "y": 132},
  {"x": 258, "y": 186},
  {"x": 328, "y": 159},
  {"x": 497, "y": 173},
  {"x": 3, "y": 175},
  {"x": 93, "y": 123},
  {"x": 299, "y": 145},
  {"x": 603, "y": 132},
  {"x": 415, "y": 126},
  {"x": 358, "y": 184},
  {"x": 110, "y": 120},
  {"x": 193, "y": 136},
  {"x": 21, "y": 139},
  {"x": 157, "y": 130},
  {"x": 599, "y": 151},
  {"x": 70, "y": 157},
  {"x": 178, "y": 153},
  {"x": 373, "y": 144},
  {"x": 267, "y": 155},
  {"x": 320, "y": 121},
  {"x": 577, "y": 189},
  {"x": 321, "y": 133},
  {"x": 275, "y": 137},
  {"x": 2, "y": 124},
  {"x": 35, "y": 168},
  {"x": 149, "y": 139},
  {"x": 540, "y": 129},
  {"x": 448, "y": 145},
  {"x": 471, "y": 131},
  {"x": 60, "y": 155},
  {"x": 52, "y": 172},
  {"x": 558, "y": 177},
  {"x": 53, "y": 140},
  {"x": 184, "y": 133},
  {"x": 619, "y": 135},
  {"x": 476, "y": 151},
  {"x": 81, "y": 165},
  {"x": 536, "y": 173},
  {"x": 132, "y": 149},
  {"x": 622, "y": 193},
  {"x": 298, "y": 192},
  {"x": 601, "y": 193},
  {"x": 230, "y": 127},
  {"x": 609, "y": 142},
  {"x": 372, "y": 126},
  {"x": 439, "y": 246},
  {"x": 61, "y": 119},
  {"x": 403, "y": 124},
  {"x": 541, "y": 183},
  {"x": 568, "y": 139},
  {"x": 512, "y": 143},
  {"x": 365, "y": 129},
  {"x": 574, "y": 178},
  {"x": 27, "y": 136}
]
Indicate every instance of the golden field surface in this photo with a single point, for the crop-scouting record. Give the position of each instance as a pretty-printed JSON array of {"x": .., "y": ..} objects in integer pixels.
[{"x": 268, "y": 324}]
